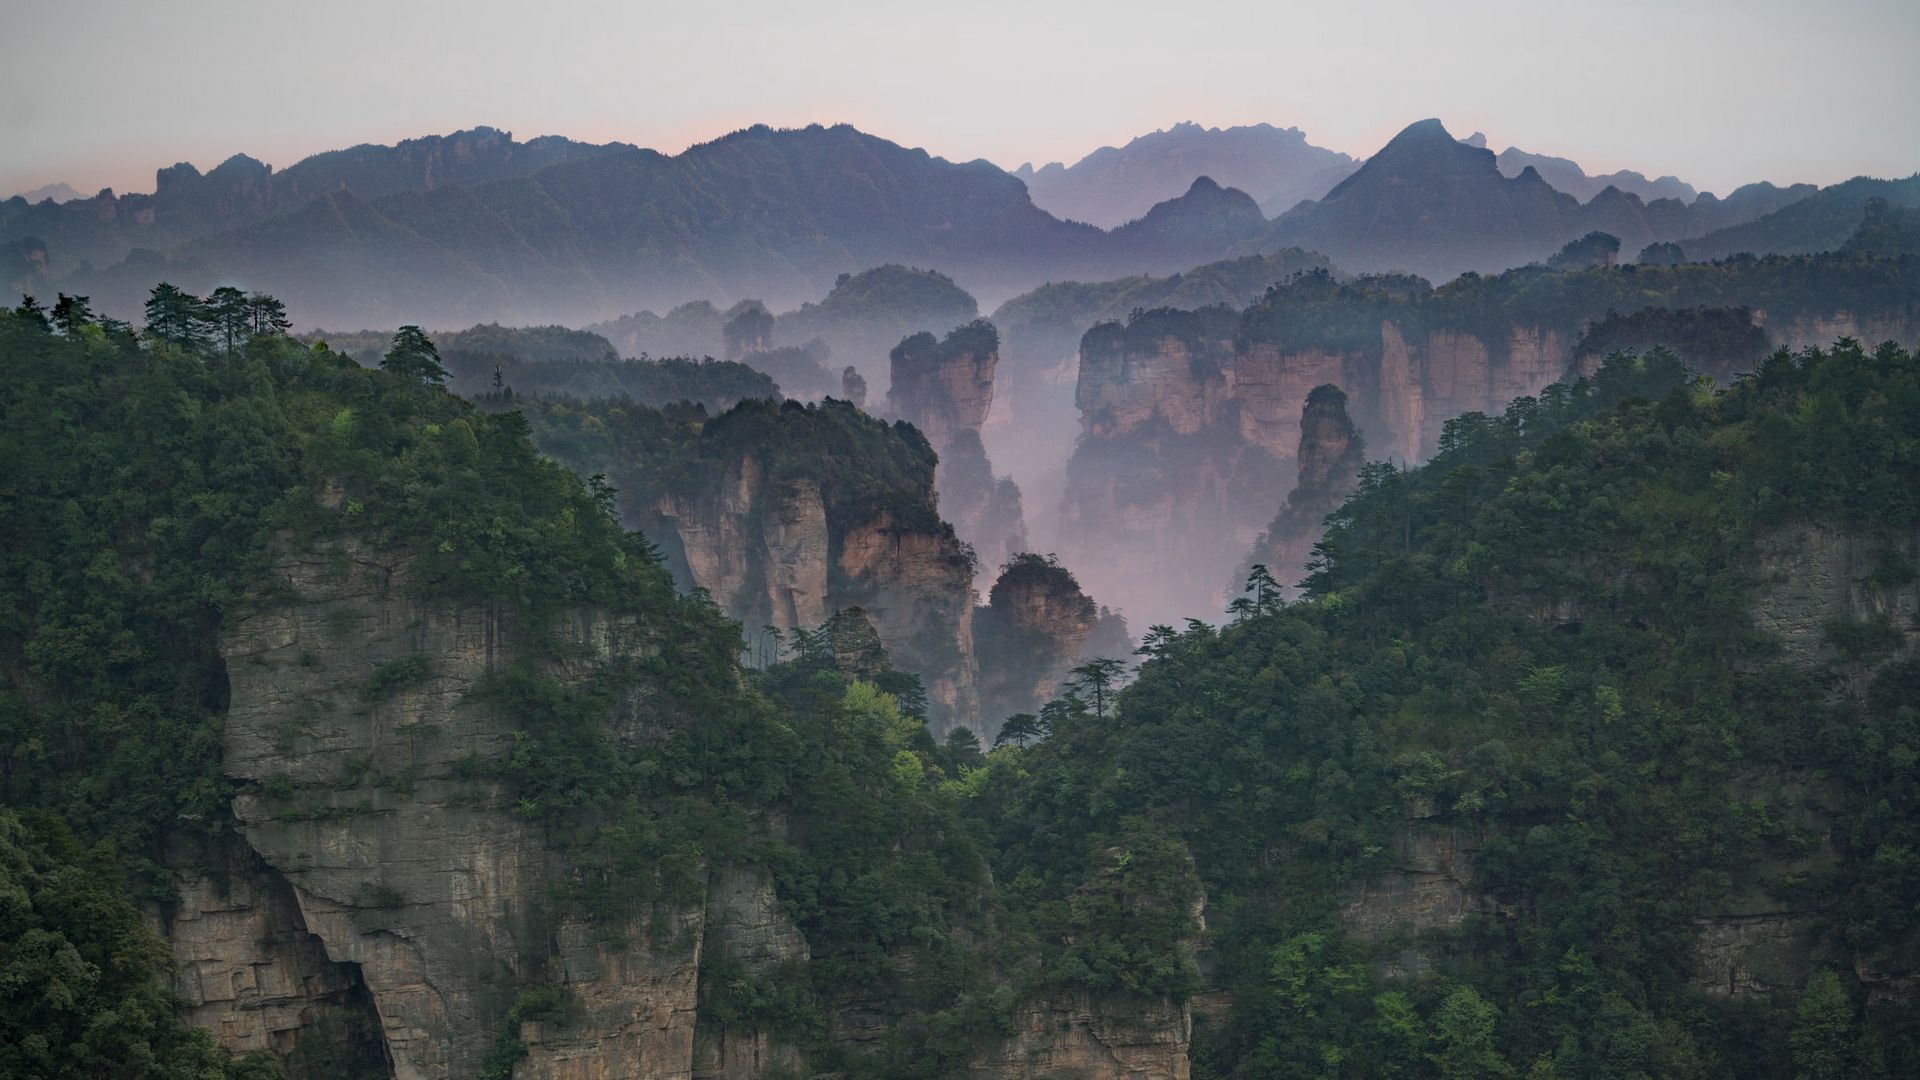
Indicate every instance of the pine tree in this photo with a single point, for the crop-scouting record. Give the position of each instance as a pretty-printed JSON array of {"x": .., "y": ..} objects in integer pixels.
[
  {"x": 1097, "y": 680},
  {"x": 33, "y": 311},
  {"x": 176, "y": 316},
  {"x": 1826, "y": 1033},
  {"x": 266, "y": 316},
  {"x": 229, "y": 316},
  {"x": 413, "y": 356},
  {"x": 70, "y": 313}
]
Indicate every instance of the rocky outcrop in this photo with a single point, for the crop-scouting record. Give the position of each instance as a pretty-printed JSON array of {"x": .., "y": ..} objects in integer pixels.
[
  {"x": 917, "y": 587},
  {"x": 1330, "y": 454},
  {"x": 378, "y": 884},
  {"x": 1163, "y": 369},
  {"x": 1815, "y": 578},
  {"x": 748, "y": 929},
  {"x": 1164, "y": 492},
  {"x": 247, "y": 968},
  {"x": 1033, "y": 630},
  {"x": 353, "y": 707},
  {"x": 1080, "y": 1038},
  {"x": 761, "y": 549},
  {"x": 771, "y": 554},
  {"x": 945, "y": 389}
]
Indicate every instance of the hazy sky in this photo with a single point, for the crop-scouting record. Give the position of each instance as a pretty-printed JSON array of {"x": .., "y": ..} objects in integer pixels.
[{"x": 101, "y": 92}]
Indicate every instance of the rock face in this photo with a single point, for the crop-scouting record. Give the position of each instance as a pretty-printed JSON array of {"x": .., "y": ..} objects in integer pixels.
[
  {"x": 1187, "y": 418},
  {"x": 1164, "y": 492},
  {"x": 761, "y": 549},
  {"x": 1329, "y": 458},
  {"x": 917, "y": 587},
  {"x": 1430, "y": 890},
  {"x": 247, "y": 967},
  {"x": 352, "y": 705},
  {"x": 1083, "y": 1039},
  {"x": 1813, "y": 575},
  {"x": 768, "y": 554},
  {"x": 377, "y": 888},
  {"x": 1033, "y": 630},
  {"x": 945, "y": 389}
]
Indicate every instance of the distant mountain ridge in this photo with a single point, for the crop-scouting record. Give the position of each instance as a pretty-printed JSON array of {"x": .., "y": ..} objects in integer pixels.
[
  {"x": 1114, "y": 185},
  {"x": 1568, "y": 176},
  {"x": 1437, "y": 206},
  {"x": 476, "y": 226},
  {"x": 186, "y": 203},
  {"x": 59, "y": 191}
]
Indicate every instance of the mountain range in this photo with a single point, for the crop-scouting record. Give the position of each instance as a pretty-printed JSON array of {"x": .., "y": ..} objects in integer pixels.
[
  {"x": 1278, "y": 167},
  {"x": 477, "y": 226}
]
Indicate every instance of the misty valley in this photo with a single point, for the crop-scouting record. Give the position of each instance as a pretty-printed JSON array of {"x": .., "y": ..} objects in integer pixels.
[{"x": 804, "y": 607}]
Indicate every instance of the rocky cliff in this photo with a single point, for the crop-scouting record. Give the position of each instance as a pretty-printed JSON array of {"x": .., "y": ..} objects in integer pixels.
[
  {"x": 1163, "y": 486},
  {"x": 1328, "y": 462},
  {"x": 944, "y": 387},
  {"x": 1033, "y": 630},
  {"x": 382, "y": 900},
  {"x": 1188, "y": 416},
  {"x": 354, "y": 706},
  {"x": 766, "y": 551}
]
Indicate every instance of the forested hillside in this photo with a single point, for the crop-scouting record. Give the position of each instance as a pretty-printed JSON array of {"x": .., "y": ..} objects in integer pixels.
[{"x": 1589, "y": 752}]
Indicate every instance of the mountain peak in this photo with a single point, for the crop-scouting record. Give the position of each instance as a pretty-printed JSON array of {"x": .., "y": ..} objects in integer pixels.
[{"x": 1421, "y": 133}]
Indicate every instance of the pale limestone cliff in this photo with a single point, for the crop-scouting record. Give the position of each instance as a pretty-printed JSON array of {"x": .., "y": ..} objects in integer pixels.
[
  {"x": 1328, "y": 462},
  {"x": 1125, "y": 385},
  {"x": 402, "y": 866},
  {"x": 944, "y": 387},
  {"x": 1032, "y": 631},
  {"x": 246, "y": 966},
  {"x": 768, "y": 554},
  {"x": 760, "y": 549},
  {"x": 1271, "y": 386},
  {"x": 917, "y": 587}
]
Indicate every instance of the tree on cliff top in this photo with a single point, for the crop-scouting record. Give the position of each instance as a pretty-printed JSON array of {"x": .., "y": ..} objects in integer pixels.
[{"x": 413, "y": 356}]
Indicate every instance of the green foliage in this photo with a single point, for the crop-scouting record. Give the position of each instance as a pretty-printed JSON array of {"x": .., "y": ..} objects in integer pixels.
[
  {"x": 1594, "y": 249},
  {"x": 414, "y": 356},
  {"x": 862, "y": 466},
  {"x": 83, "y": 978},
  {"x": 1542, "y": 639}
]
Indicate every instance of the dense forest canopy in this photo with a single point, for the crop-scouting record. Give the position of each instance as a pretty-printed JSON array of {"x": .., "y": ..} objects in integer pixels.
[{"x": 1542, "y": 649}]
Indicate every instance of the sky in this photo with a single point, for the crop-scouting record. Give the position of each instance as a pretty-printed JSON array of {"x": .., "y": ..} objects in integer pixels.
[{"x": 102, "y": 92}]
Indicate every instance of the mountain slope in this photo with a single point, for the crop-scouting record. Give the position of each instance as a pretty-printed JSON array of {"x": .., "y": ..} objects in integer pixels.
[
  {"x": 1568, "y": 176},
  {"x": 1435, "y": 206},
  {"x": 1115, "y": 185},
  {"x": 1823, "y": 221},
  {"x": 186, "y": 204}
]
